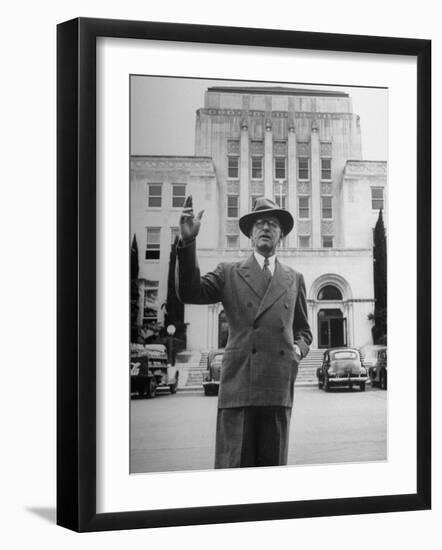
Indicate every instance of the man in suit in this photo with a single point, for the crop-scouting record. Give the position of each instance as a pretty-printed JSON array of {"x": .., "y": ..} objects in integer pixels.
[{"x": 265, "y": 306}]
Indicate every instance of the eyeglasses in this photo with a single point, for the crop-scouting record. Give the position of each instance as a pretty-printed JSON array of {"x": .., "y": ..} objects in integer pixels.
[{"x": 273, "y": 224}]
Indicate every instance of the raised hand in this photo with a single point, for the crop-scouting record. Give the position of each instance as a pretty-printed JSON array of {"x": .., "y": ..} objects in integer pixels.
[{"x": 189, "y": 224}]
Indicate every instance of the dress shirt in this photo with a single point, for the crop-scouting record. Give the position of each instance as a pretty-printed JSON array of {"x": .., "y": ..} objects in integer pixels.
[{"x": 260, "y": 260}]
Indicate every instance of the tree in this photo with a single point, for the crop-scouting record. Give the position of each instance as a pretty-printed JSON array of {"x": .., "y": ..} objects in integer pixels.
[
  {"x": 134, "y": 291},
  {"x": 380, "y": 282}
]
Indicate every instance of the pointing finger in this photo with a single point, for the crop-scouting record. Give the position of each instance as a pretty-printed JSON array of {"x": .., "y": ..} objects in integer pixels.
[{"x": 200, "y": 215}]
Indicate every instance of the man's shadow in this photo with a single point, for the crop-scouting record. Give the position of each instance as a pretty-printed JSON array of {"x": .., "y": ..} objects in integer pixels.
[{"x": 49, "y": 514}]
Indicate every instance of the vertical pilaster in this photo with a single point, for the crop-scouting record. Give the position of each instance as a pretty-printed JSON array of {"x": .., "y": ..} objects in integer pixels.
[
  {"x": 316, "y": 187},
  {"x": 268, "y": 160},
  {"x": 244, "y": 178},
  {"x": 291, "y": 184}
]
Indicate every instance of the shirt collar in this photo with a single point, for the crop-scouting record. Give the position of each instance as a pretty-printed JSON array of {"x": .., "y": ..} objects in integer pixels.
[{"x": 260, "y": 260}]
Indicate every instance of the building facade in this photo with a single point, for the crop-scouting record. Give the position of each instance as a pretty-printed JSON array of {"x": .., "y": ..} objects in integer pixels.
[{"x": 302, "y": 148}]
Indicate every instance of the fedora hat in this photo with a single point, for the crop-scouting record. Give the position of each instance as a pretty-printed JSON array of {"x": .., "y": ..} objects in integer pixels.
[{"x": 266, "y": 207}]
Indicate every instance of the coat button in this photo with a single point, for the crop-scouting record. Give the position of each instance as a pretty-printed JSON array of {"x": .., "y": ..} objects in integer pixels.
[
  {"x": 281, "y": 352},
  {"x": 250, "y": 304},
  {"x": 286, "y": 306}
]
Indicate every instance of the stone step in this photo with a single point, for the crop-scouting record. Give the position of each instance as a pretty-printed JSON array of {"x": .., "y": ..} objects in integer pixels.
[{"x": 197, "y": 364}]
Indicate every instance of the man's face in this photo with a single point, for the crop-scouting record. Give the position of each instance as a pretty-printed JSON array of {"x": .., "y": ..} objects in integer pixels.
[{"x": 266, "y": 234}]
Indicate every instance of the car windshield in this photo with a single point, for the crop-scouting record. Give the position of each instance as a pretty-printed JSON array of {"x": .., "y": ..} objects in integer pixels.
[{"x": 347, "y": 354}]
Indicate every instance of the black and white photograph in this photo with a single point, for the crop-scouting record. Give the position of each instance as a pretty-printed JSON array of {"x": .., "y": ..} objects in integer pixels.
[{"x": 258, "y": 274}]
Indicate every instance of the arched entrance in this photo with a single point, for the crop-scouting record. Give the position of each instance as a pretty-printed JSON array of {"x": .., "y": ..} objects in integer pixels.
[
  {"x": 332, "y": 328},
  {"x": 223, "y": 330}
]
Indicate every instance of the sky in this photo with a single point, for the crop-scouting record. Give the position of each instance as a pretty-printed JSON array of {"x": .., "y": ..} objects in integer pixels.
[{"x": 163, "y": 113}]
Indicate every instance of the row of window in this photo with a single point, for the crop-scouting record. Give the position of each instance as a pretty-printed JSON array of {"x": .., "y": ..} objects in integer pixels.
[
  {"x": 179, "y": 194},
  {"x": 280, "y": 200},
  {"x": 279, "y": 168},
  {"x": 155, "y": 195},
  {"x": 153, "y": 236}
]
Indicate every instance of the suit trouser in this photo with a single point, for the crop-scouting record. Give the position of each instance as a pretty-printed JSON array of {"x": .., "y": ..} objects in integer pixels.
[{"x": 252, "y": 436}]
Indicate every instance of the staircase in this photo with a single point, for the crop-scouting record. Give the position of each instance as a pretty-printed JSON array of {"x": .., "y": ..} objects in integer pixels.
[
  {"x": 197, "y": 365},
  {"x": 307, "y": 368}
]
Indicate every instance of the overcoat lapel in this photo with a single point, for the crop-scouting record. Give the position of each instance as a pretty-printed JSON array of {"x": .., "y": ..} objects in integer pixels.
[
  {"x": 250, "y": 272},
  {"x": 279, "y": 283}
]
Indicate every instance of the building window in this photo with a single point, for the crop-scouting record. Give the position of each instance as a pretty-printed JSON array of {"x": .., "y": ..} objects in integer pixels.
[
  {"x": 257, "y": 168},
  {"x": 304, "y": 241},
  {"x": 174, "y": 233},
  {"x": 327, "y": 242},
  {"x": 154, "y": 195},
  {"x": 232, "y": 167},
  {"x": 232, "y": 241},
  {"x": 327, "y": 211},
  {"x": 153, "y": 243},
  {"x": 326, "y": 171},
  {"x": 232, "y": 206},
  {"x": 304, "y": 207},
  {"x": 377, "y": 198},
  {"x": 303, "y": 169},
  {"x": 178, "y": 195},
  {"x": 150, "y": 302},
  {"x": 329, "y": 292},
  {"x": 280, "y": 168},
  {"x": 281, "y": 201}
]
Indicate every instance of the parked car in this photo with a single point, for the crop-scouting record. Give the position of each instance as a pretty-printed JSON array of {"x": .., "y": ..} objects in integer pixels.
[
  {"x": 341, "y": 367},
  {"x": 212, "y": 375},
  {"x": 150, "y": 369},
  {"x": 374, "y": 359}
]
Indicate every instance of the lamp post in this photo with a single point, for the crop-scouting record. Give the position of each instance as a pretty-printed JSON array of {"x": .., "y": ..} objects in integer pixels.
[{"x": 171, "y": 329}]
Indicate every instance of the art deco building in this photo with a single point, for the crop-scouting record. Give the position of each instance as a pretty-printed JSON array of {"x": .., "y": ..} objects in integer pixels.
[{"x": 303, "y": 149}]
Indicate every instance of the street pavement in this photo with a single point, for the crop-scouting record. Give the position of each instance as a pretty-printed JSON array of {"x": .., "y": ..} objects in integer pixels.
[{"x": 177, "y": 432}]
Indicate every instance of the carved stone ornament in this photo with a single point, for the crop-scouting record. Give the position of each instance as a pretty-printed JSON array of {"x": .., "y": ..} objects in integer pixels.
[
  {"x": 303, "y": 188},
  {"x": 303, "y": 149},
  {"x": 326, "y": 189},
  {"x": 304, "y": 228},
  {"x": 232, "y": 227},
  {"x": 366, "y": 168},
  {"x": 268, "y": 125},
  {"x": 327, "y": 228},
  {"x": 256, "y": 147},
  {"x": 280, "y": 188},
  {"x": 280, "y": 148},
  {"x": 244, "y": 124},
  {"x": 257, "y": 188},
  {"x": 315, "y": 126},
  {"x": 233, "y": 187},
  {"x": 233, "y": 147},
  {"x": 326, "y": 149}
]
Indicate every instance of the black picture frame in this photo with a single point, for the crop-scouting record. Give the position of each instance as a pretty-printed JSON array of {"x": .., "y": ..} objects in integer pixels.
[{"x": 76, "y": 274}]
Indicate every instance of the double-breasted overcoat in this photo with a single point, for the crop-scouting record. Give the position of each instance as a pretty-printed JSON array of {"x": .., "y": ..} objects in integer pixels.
[{"x": 259, "y": 364}]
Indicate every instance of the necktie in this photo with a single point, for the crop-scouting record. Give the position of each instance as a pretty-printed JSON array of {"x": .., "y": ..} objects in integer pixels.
[{"x": 266, "y": 272}]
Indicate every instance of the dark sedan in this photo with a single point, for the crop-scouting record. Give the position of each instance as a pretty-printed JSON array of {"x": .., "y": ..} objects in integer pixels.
[
  {"x": 341, "y": 367},
  {"x": 213, "y": 373}
]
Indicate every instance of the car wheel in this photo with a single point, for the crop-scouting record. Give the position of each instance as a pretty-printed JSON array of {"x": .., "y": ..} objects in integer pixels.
[
  {"x": 152, "y": 388},
  {"x": 173, "y": 387},
  {"x": 383, "y": 380},
  {"x": 362, "y": 386},
  {"x": 320, "y": 383},
  {"x": 326, "y": 385}
]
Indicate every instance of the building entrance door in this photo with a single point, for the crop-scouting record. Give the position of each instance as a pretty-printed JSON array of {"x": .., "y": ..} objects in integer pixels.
[{"x": 332, "y": 328}]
